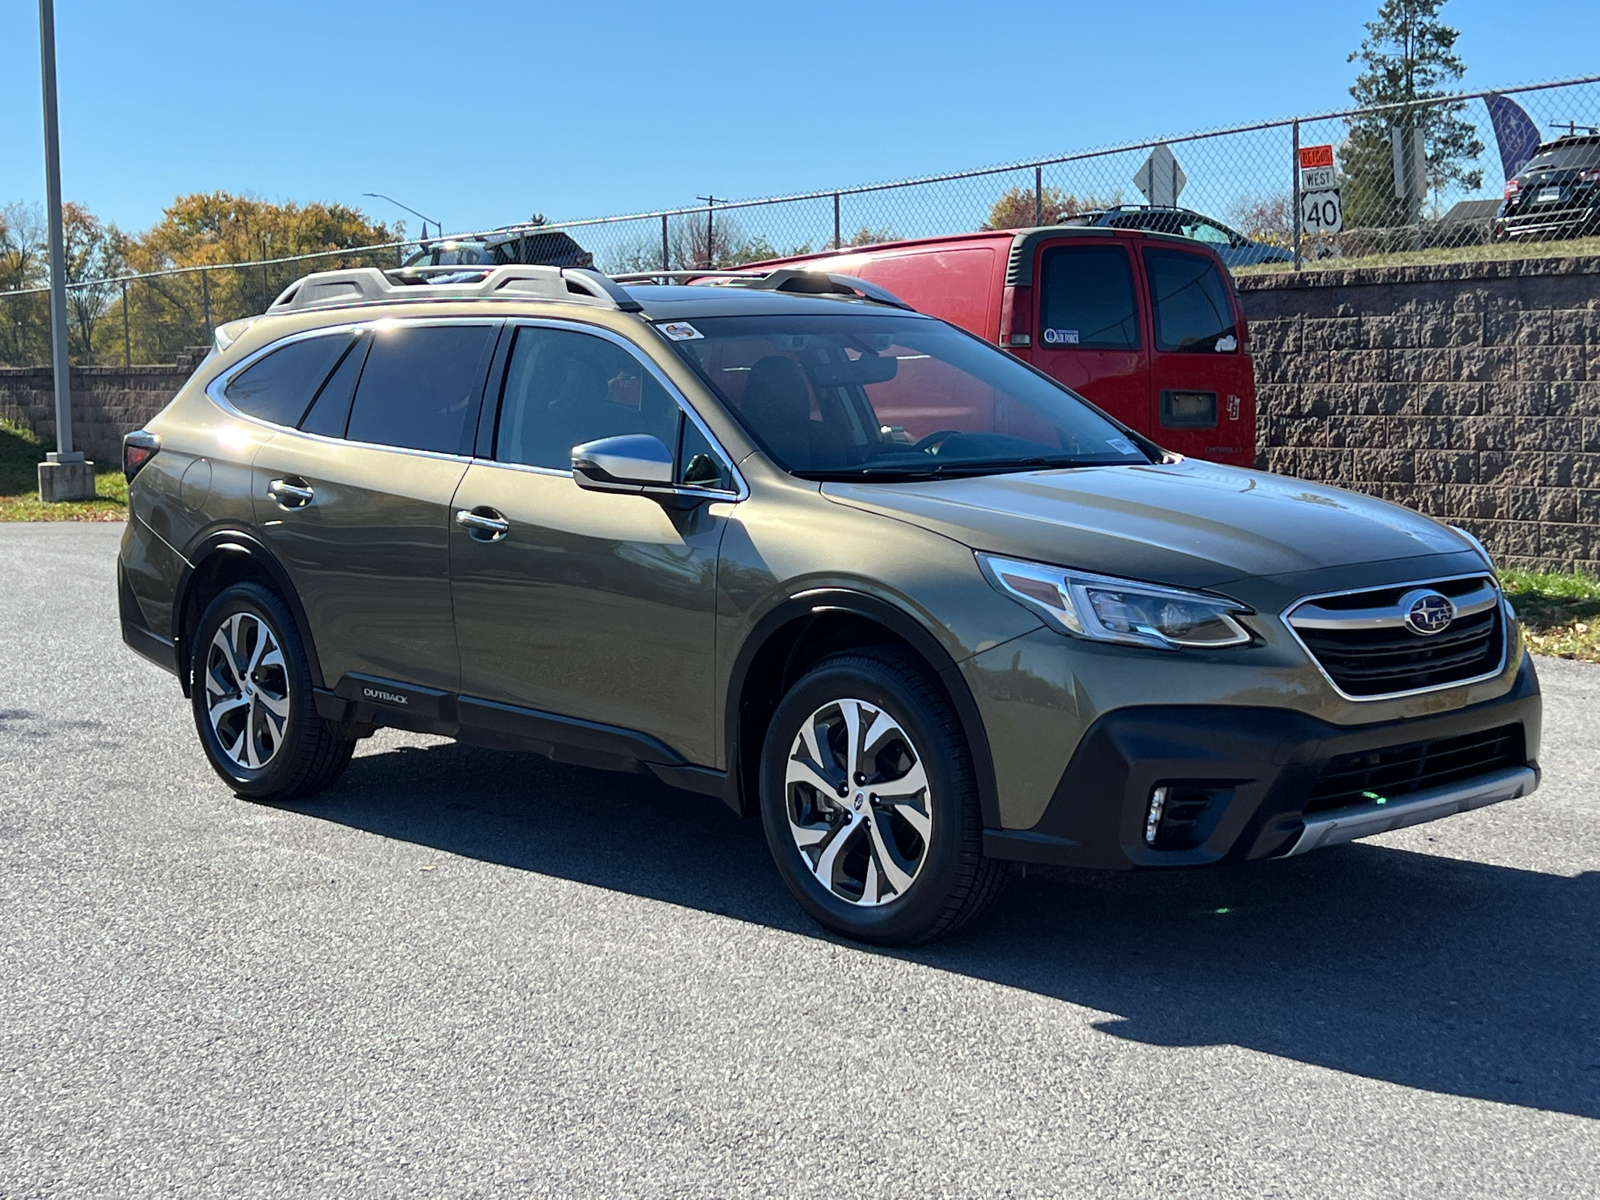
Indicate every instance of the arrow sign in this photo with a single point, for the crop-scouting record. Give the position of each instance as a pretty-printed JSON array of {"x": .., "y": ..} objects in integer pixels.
[{"x": 1161, "y": 179}]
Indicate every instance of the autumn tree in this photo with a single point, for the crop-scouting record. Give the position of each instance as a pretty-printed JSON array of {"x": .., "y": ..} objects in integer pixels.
[
  {"x": 1407, "y": 57},
  {"x": 1019, "y": 208}
]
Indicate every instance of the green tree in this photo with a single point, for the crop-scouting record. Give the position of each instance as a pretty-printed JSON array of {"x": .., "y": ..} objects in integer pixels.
[
  {"x": 1015, "y": 209},
  {"x": 1407, "y": 57}
]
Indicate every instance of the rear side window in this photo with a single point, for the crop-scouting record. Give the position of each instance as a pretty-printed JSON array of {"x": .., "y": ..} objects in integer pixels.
[
  {"x": 279, "y": 387},
  {"x": 331, "y": 409},
  {"x": 1088, "y": 300},
  {"x": 1194, "y": 314},
  {"x": 419, "y": 386}
]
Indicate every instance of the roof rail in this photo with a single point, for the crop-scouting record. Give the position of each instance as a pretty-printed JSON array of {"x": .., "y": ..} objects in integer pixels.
[
  {"x": 783, "y": 279},
  {"x": 369, "y": 285}
]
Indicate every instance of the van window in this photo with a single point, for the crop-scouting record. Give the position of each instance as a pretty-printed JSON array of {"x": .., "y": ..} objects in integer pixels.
[
  {"x": 564, "y": 388},
  {"x": 279, "y": 387},
  {"x": 1088, "y": 301},
  {"x": 419, "y": 384},
  {"x": 1194, "y": 314}
]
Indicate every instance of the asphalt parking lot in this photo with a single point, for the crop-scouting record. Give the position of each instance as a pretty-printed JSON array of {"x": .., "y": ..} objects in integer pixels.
[{"x": 472, "y": 974}]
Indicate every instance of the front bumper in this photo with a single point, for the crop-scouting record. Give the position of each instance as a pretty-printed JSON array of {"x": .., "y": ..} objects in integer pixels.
[{"x": 1248, "y": 777}]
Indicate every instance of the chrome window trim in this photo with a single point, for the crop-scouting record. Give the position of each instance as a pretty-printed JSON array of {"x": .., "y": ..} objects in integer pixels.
[
  {"x": 1505, "y": 637},
  {"x": 216, "y": 388},
  {"x": 741, "y": 491}
]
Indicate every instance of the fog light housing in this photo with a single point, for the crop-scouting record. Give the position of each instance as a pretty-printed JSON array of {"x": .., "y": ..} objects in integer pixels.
[{"x": 1152, "y": 817}]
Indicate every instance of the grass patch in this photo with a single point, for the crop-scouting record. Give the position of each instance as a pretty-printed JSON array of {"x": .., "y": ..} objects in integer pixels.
[
  {"x": 20, "y": 455},
  {"x": 1493, "y": 252},
  {"x": 1560, "y": 613}
]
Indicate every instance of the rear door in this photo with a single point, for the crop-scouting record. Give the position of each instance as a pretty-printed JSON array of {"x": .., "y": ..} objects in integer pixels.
[
  {"x": 1202, "y": 384},
  {"x": 357, "y": 504},
  {"x": 1090, "y": 333}
]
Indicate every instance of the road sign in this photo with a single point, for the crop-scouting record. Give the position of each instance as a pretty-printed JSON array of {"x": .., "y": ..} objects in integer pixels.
[
  {"x": 1320, "y": 212},
  {"x": 1318, "y": 179},
  {"x": 1161, "y": 179},
  {"x": 1316, "y": 156}
]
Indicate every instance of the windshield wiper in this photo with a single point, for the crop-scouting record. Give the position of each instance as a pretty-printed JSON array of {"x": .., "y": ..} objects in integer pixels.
[{"x": 957, "y": 470}]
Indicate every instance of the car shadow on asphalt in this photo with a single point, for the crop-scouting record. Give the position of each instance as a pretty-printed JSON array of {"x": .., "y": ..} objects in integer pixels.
[{"x": 1426, "y": 971}]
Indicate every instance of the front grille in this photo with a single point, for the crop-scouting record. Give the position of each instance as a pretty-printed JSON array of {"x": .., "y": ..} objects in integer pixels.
[
  {"x": 1380, "y": 662},
  {"x": 1378, "y": 776}
]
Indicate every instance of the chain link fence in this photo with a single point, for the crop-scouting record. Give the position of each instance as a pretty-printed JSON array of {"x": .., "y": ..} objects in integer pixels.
[{"x": 1400, "y": 183}]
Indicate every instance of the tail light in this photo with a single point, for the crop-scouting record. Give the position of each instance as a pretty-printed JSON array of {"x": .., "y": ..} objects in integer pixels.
[
  {"x": 1512, "y": 188},
  {"x": 1591, "y": 176},
  {"x": 1016, "y": 317},
  {"x": 138, "y": 448}
]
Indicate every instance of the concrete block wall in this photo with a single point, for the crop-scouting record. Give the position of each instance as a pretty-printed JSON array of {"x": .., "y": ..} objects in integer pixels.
[
  {"x": 107, "y": 402},
  {"x": 1467, "y": 391}
]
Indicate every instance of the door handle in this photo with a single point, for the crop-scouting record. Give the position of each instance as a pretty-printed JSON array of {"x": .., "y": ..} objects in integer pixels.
[
  {"x": 483, "y": 523},
  {"x": 290, "y": 495}
]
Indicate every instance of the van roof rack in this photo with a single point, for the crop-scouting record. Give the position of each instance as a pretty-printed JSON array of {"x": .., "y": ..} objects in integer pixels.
[
  {"x": 369, "y": 285},
  {"x": 783, "y": 279}
]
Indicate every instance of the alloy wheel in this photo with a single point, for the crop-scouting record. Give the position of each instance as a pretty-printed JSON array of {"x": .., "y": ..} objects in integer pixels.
[
  {"x": 247, "y": 690},
  {"x": 858, "y": 802}
]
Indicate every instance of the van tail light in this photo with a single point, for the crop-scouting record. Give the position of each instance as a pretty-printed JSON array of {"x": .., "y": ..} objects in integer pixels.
[
  {"x": 1512, "y": 188},
  {"x": 138, "y": 448},
  {"x": 1016, "y": 317}
]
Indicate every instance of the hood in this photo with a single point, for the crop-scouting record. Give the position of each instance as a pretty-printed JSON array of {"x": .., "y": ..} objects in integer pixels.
[{"x": 1188, "y": 524}]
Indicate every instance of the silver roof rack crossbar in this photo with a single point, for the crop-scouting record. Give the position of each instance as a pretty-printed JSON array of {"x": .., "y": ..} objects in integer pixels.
[
  {"x": 369, "y": 285},
  {"x": 784, "y": 279}
]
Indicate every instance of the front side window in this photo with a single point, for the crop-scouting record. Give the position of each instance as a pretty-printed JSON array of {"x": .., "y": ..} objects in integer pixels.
[
  {"x": 563, "y": 388},
  {"x": 1193, "y": 310},
  {"x": 280, "y": 386},
  {"x": 418, "y": 385},
  {"x": 868, "y": 395},
  {"x": 1088, "y": 299}
]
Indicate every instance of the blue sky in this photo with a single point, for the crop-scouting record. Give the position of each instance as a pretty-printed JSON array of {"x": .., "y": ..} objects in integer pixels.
[{"x": 482, "y": 113}]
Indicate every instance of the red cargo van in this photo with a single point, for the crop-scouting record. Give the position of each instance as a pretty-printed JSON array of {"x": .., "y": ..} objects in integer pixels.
[{"x": 1146, "y": 325}]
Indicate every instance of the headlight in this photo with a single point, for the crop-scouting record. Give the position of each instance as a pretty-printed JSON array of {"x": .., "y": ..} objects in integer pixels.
[
  {"x": 1483, "y": 551},
  {"x": 1105, "y": 609}
]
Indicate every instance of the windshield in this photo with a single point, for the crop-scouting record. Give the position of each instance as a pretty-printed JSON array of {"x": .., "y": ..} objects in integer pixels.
[
  {"x": 1573, "y": 154},
  {"x": 870, "y": 396}
]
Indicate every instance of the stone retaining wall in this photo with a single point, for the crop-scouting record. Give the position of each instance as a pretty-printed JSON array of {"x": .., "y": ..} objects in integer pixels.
[
  {"x": 1467, "y": 391},
  {"x": 106, "y": 401}
]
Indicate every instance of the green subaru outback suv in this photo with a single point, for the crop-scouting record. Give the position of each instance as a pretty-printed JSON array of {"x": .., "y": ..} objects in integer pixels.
[{"x": 787, "y": 543}]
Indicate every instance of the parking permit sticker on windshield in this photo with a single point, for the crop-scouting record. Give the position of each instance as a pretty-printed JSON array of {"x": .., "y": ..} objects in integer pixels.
[
  {"x": 680, "y": 331},
  {"x": 1122, "y": 445},
  {"x": 1061, "y": 337}
]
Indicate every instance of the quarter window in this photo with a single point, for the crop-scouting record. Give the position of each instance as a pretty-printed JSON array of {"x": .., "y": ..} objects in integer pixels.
[
  {"x": 279, "y": 387},
  {"x": 418, "y": 386},
  {"x": 564, "y": 388},
  {"x": 1194, "y": 313},
  {"x": 1088, "y": 301},
  {"x": 331, "y": 409}
]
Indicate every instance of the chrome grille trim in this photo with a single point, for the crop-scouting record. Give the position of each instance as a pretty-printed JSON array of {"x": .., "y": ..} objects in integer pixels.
[{"x": 1497, "y": 607}]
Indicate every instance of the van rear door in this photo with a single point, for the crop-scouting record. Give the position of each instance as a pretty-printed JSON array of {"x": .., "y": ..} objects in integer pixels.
[
  {"x": 1202, "y": 380},
  {"x": 1090, "y": 335}
]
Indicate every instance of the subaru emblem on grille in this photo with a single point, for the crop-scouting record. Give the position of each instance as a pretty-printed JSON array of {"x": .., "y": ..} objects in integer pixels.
[{"x": 1427, "y": 612}]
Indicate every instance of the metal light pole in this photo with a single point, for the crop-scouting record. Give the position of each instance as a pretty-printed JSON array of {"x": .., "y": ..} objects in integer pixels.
[
  {"x": 64, "y": 475},
  {"x": 409, "y": 209}
]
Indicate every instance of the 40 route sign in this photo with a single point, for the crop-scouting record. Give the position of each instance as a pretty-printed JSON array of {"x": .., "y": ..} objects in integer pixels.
[{"x": 1320, "y": 212}]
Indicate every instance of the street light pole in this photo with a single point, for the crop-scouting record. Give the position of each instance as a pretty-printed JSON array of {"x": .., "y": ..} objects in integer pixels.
[
  {"x": 409, "y": 209},
  {"x": 64, "y": 475}
]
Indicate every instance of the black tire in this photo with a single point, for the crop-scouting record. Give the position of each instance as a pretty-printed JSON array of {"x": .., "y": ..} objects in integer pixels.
[
  {"x": 952, "y": 883},
  {"x": 306, "y": 755}
]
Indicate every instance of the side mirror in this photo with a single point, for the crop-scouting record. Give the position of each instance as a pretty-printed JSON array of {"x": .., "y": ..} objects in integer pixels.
[{"x": 630, "y": 463}]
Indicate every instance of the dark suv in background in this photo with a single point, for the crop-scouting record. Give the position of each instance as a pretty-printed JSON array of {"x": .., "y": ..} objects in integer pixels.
[
  {"x": 790, "y": 544},
  {"x": 1557, "y": 195}
]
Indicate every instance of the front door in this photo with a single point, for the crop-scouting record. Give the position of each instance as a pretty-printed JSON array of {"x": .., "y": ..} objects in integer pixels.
[
  {"x": 359, "y": 513},
  {"x": 589, "y": 605},
  {"x": 1089, "y": 329}
]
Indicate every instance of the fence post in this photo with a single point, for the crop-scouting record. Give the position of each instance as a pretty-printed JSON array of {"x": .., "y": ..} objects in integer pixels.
[
  {"x": 666, "y": 253},
  {"x": 205, "y": 301},
  {"x": 836, "y": 239},
  {"x": 1038, "y": 196},
  {"x": 1294, "y": 204},
  {"x": 127, "y": 340}
]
